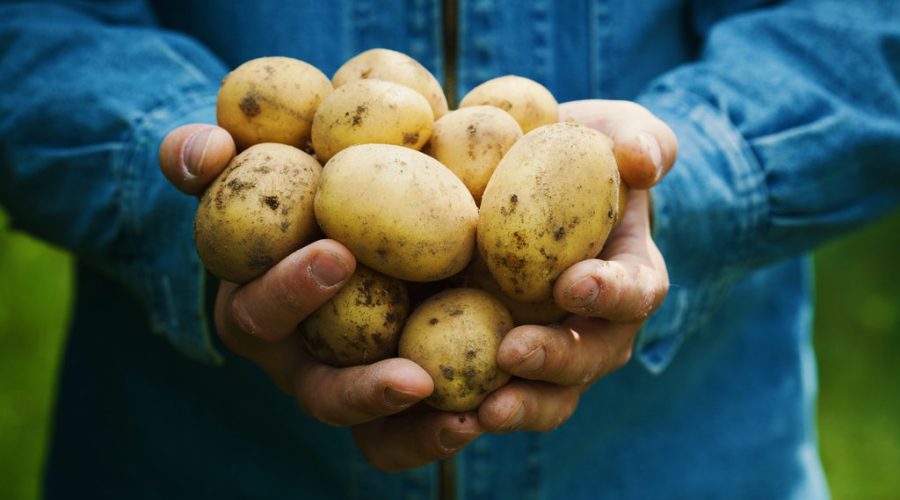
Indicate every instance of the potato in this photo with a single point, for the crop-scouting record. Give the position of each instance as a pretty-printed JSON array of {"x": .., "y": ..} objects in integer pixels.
[
  {"x": 397, "y": 67},
  {"x": 271, "y": 99},
  {"x": 529, "y": 102},
  {"x": 623, "y": 202},
  {"x": 361, "y": 323},
  {"x": 544, "y": 312},
  {"x": 551, "y": 202},
  {"x": 471, "y": 141},
  {"x": 398, "y": 210},
  {"x": 455, "y": 336},
  {"x": 368, "y": 112},
  {"x": 257, "y": 211}
]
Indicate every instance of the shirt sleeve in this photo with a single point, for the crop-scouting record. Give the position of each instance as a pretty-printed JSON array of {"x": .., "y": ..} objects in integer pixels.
[
  {"x": 86, "y": 100},
  {"x": 789, "y": 134}
]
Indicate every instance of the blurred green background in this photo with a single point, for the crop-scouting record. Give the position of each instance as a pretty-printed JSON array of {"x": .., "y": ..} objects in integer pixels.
[{"x": 857, "y": 337}]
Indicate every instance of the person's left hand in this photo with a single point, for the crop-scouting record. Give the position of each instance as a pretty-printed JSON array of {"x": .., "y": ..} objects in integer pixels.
[{"x": 610, "y": 296}]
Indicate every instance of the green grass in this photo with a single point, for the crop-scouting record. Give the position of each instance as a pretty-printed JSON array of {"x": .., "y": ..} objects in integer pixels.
[
  {"x": 857, "y": 336},
  {"x": 858, "y": 341},
  {"x": 34, "y": 309}
]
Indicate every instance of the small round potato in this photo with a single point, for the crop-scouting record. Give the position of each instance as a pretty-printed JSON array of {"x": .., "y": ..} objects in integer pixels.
[
  {"x": 361, "y": 323},
  {"x": 399, "y": 211},
  {"x": 529, "y": 102},
  {"x": 257, "y": 211},
  {"x": 397, "y": 67},
  {"x": 370, "y": 112},
  {"x": 471, "y": 141},
  {"x": 455, "y": 336},
  {"x": 551, "y": 202},
  {"x": 271, "y": 99}
]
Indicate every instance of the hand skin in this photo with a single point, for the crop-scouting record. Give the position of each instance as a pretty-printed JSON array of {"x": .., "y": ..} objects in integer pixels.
[
  {"x": 381, "y": 401},
  {"x": 610, "y": 296}
]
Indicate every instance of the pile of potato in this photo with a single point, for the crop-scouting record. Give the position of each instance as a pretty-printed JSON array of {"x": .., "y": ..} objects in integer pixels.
[{"x": 412, "y": 189}]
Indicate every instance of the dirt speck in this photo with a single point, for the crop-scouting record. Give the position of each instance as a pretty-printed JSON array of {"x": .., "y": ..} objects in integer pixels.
[
  {"x": 271, "y": 202},
  {"x": 249, "y": 105},
  {"x": 410, "y": 138}
]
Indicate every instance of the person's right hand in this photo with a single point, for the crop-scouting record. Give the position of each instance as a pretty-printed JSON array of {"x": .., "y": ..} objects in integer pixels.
[{"x": 258, "y": 321}]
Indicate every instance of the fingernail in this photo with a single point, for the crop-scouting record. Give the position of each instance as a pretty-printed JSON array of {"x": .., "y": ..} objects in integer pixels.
[
  {"x": 532, "y": 361},
  {"x": 651, "y": 147},
  {"x": 583, "y": 292},
  {"x": 328, "y": 270},
  {"x": 393, "y": 397},
  {"x": 454, "y": 440},
  {"x": 193, "y": 154},
  {"x": 514, "y": 420}
]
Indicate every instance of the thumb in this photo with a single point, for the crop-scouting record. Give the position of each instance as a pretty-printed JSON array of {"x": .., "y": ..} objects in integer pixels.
[{"x": 191, "y": 156}]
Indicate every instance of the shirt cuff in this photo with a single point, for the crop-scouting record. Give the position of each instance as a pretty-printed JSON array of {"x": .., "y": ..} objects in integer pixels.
[
  {"x": 706, "y": 211},
  {"x": 160, "y": 260}
]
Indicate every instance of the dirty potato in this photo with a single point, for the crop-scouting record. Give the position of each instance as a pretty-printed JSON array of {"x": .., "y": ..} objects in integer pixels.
[
  {"x": 529, "y": 102},
  {"x": 471, "y": 141},
  {"x": 271, "y": 99},
  {"x": 361, "y": 323},
  {"x": 398, "y": 210},
  {"x": 551, "y": 202},
  {"x": 397, "y": 67},
  {"x": 368, "y": 112},
  {"x": 257, "y": 211},
  {"x": 544, "y": 312},
  {"x": 454, "y": 336}
]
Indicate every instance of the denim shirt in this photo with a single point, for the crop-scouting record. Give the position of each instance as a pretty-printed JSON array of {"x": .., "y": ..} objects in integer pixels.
[{"x": 788, "y": 119}]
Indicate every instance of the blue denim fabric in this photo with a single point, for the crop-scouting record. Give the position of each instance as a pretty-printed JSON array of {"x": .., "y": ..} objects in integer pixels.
[{"x": 788, "y": 116}]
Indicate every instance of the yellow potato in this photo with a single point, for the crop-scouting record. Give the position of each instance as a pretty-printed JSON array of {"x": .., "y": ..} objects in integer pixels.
[
  {"x": 623, "y": 202},
  {"x": 471, "y": 141},
  {"x": 551, "y": 202},
  {"x": 454, "y": 336},
  {"x": 397, "y": 67},
  {"x": 257, "y": 211},
  {"x": 361, "y": 324},
  {"x": 271, "y": 99},
  {"x": 529, "y": 102},
  {"x": 398, "y": 210},
  {"x": 368, "y": 112},
  {"x": 544, "y": 312}
]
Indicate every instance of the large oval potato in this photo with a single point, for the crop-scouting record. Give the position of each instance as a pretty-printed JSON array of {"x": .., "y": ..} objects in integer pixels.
[
  {"x": 529, "y": 102},
  {"x": 454, "y": 336},
  {"x": 271, "y": 99},
  {"x": 370, "y": 112},
  {"x": 471, "y": 141},
  {"x": 397, "y": 67},
  {"x": 544, "y": 312},
  {"x": 398, "y": 210},
  {"x": 551, "y": 202},
  {"x": 361, "y": 324},
  {"x": 257, "y": 211}
]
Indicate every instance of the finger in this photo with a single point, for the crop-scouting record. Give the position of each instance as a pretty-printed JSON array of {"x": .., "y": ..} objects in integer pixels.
[
  {"x": 628, "y": 282},
  {"x": 415, "y": 438},
  {"x": 575, "y": 353},
  {"x": 527, "y": 405},
  {"x": 335, "y": 396},
  {"x": 645, "y": 147},
  {"x": 191, "y": 156},
  {"x": 358, "y": 394},
  {"x": 271, "y": 306}
]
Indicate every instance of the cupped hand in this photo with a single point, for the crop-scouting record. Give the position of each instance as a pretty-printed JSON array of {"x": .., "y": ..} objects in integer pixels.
[
  {"x": 610, "y": 296},
  {"x": 258, "y": 321}
]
